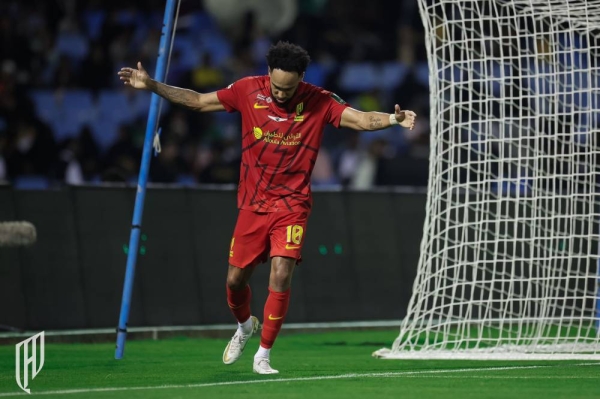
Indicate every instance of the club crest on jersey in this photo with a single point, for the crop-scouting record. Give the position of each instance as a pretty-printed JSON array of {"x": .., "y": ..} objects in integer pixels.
[{"x": 299, "y": 108}]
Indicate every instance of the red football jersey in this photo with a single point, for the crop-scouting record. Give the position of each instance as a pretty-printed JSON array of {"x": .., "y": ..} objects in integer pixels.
[{"x": 279, "y": 145}]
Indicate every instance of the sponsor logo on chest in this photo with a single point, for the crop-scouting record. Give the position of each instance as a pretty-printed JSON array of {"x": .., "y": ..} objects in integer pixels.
[{"x": 279, "y": 138}]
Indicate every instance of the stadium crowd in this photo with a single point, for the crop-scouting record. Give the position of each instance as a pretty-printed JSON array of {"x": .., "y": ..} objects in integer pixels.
[{"x": 66, "y": 118}]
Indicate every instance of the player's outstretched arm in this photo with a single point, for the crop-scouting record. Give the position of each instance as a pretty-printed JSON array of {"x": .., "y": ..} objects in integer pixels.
[
  {"x": 139, "y": 79},
  {"x": 358, "y": 120}
]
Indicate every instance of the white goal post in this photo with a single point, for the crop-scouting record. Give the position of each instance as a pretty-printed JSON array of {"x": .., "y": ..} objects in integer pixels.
[{"x": 509, "y": 256}]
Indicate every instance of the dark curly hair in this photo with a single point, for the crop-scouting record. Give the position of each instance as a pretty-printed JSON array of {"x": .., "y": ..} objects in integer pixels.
[{"x": 288, "y": 57}]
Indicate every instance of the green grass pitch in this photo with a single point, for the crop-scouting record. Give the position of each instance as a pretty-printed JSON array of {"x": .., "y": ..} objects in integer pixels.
[{"x": 311, "y": 365}]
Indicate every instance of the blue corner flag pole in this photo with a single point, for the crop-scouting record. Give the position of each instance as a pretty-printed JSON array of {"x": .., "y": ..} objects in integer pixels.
[{"x": 134, "y": 239}]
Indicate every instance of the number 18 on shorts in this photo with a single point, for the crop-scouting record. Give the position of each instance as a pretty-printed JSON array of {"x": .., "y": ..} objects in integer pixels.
[{"x": 258, "y": 236}]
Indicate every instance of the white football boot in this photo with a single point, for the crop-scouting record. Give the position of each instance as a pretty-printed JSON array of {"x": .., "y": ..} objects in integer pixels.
[
  {"x": 262, "y": 365},
  {"x": 235, "y": 347}
]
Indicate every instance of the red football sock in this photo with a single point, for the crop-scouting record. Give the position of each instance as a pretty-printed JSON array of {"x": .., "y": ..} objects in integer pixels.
[
  {"x": 275, "y": 310},
  {"x": 239, "y": 303}
]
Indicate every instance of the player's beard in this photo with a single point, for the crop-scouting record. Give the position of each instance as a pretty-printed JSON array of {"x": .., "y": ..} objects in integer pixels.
[{"x": 284, "y": 104}]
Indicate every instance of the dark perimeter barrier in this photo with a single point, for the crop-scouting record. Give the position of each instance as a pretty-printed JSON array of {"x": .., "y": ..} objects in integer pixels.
[{"x": 359, "y": 259}]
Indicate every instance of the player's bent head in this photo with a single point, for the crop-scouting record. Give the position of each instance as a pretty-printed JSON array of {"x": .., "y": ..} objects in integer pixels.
[{"x": 288, "y": 57}]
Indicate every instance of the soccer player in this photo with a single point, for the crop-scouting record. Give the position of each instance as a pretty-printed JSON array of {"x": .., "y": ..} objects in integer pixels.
[{"x": 283, "y": 119}]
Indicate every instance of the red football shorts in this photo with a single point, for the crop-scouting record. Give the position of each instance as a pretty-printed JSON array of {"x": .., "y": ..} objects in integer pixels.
[{"x": 258, "y": 235}]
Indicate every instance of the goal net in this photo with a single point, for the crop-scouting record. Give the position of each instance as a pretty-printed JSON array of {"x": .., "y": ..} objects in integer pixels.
[{"x": 509, "y": 257}]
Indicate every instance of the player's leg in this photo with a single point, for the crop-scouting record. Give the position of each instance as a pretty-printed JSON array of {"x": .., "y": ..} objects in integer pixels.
[
  {"x": 248, "y": 248},
  {"x": 238, "y": 299},
  {"x": 239, "y": 295},
  {"x": 275, "y": 311},
  {"x": 287, "y": 236}
]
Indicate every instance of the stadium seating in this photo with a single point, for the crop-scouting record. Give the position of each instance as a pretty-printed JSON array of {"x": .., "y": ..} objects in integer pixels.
[
  {"x": 65, "y": 111},
  {"x": 31, "y": 182},
  {"x": 358, "y": 76}
]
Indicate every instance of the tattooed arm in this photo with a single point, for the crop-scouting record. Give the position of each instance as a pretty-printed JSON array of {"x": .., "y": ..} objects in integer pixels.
[
  {"x": 358, "y": 120},
  {"x": 201, "y": 102}
]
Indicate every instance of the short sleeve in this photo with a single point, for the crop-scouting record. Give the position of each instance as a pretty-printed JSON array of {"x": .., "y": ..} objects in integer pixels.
[
  {"x": 229, "y": 98},
  {"x": 334, "y": 106}
]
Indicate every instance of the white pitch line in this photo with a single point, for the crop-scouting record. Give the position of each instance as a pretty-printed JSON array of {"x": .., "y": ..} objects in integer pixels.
[
  {"x": 511, "y": 377},
  {"x": 298, "y": 379}
]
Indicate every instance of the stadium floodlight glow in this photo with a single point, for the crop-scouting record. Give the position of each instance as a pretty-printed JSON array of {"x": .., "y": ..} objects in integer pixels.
[
  {"x": 164, "y": 53},
  {"x": 509, "y": 257}
]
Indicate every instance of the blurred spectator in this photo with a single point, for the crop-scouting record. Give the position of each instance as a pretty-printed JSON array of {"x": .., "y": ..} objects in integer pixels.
[
  {"x": 65, "y": 47},
  {"x": 8, "y": 91},
  {"x": 65, "y": 74},
  {"x": 123, "y": 156},
  {"x": 33, "y": 150},
  {"x": 323, "y": 172},
  {"x": 88, "y": 154},
  {"x": 70, "y": 159},
  {"x": 96, "y": 73},
  {"x": 169, "y": 165},
  {"x": 349, "y": 159},
  {"x": 206, "y": 77},
  {"x": 3, "y": 168},
  {"x": 225, "y": 165},
  {"x": 367, "y": 173}
]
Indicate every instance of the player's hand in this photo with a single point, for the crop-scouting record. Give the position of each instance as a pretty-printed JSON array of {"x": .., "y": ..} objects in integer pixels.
[
  {"x": 136, "y": 78},
  {"x": 405, "y": 118}
]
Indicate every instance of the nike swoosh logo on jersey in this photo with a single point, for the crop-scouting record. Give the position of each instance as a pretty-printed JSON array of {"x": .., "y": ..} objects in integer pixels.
[
  {"x": 258, "y": 106},
  {"x": 288, "y": 246},
  {"x": 271, "y": 317},
  {"x": 277, "y": 119}
]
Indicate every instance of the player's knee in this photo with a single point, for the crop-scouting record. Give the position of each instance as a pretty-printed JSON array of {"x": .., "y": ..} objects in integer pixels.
[
  {"x": 282, "y": 269},
  {"x": 280, "y": 279},
  {"x": 235, "y": 279},
  {"x": 235, "y": 284}
]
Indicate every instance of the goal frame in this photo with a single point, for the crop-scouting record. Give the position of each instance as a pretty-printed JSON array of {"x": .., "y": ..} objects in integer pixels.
[{"x": 589, "y": 348}]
